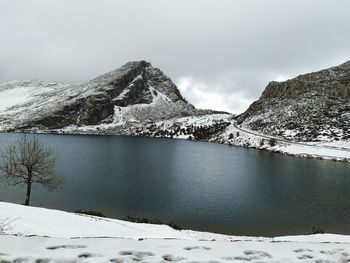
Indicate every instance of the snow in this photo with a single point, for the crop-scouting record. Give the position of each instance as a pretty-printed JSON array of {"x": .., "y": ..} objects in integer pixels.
[
  {"x": 204, "y": 119},
  {"x": 122, "y": 95},
  {"x": 21, "y": 100},
  {"x": 119, "y": 250},
  {"x": 312, "y": 151},
  {"x": 338, "y": 144},
  {"x": 44, "y": 235},
  {"x": 13, "y": 97},
  {"x": 38, "y": 221},
  {"x": 335, "y": 150}
]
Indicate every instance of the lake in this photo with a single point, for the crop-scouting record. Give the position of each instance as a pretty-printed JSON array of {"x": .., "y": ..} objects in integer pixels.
[{"x": 197, "y": 185}]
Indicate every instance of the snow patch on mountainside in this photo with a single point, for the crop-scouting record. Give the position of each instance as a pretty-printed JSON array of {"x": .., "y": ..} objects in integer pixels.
[
  {"x": 161, "y": 107},
  {"x": 21, "y": 101},
  {"x": 13, "y": 97}
]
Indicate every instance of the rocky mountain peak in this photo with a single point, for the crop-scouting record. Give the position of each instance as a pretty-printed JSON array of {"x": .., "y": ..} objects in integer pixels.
[
  {"x": 134, "y": 80},
  {"x": 130, "y": 69}
]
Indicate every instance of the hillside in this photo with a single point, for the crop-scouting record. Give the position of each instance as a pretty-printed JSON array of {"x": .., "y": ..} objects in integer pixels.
[{"x": 310, "y": 107}]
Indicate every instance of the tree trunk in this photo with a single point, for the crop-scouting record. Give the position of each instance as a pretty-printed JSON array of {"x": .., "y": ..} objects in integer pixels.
[{"x": 29, "y": 188}]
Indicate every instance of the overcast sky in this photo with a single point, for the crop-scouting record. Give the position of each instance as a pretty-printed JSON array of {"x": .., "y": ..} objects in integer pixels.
[{"x": 220, "y": 53}]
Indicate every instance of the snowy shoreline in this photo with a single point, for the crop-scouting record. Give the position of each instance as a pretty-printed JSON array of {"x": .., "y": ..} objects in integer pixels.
[
  {"x": 45, "y": 235},
  {"x": 307, "y": 150}
]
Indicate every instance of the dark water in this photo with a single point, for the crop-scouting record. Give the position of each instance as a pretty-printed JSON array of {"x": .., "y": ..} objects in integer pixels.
[{"x": 197, "y": 185}]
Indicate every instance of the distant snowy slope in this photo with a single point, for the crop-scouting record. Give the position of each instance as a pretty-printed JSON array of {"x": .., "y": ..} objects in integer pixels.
[{"x": 23, "y": 102}]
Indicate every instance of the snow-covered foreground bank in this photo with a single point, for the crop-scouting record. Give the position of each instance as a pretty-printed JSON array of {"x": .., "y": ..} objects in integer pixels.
[
  {"x": 41, "y": 249},
  {"x": 44, "y": 235}
]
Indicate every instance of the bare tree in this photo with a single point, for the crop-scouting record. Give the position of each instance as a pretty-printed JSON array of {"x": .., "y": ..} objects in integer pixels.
[{"x": 28, "y": 162}]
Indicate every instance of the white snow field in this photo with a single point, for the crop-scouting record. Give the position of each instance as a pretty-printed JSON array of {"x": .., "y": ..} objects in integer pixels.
[{"x": 42, "y": 235}]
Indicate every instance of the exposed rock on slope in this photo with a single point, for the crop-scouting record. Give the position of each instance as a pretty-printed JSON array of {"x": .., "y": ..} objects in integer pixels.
[{"x": 310, "y": 107}]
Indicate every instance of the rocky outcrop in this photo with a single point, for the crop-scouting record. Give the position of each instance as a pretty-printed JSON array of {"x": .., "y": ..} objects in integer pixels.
[{"x": 310, "y": 107}]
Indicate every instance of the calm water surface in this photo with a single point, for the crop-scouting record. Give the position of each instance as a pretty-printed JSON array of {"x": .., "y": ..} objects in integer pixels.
[{"x": 197, "y": 185}]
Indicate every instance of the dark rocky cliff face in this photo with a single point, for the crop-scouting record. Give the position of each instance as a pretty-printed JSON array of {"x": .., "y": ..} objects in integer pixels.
[{"x": 313, "y": 106}]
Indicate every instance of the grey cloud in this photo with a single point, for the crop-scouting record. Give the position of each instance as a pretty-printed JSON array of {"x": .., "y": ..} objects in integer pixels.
[{"x": 226, "y": 47}]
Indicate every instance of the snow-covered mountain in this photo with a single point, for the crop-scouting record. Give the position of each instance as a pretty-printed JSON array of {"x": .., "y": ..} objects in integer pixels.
[
  {"x": 134, "y": 93},
  {"x": 310, "y": 107}
]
